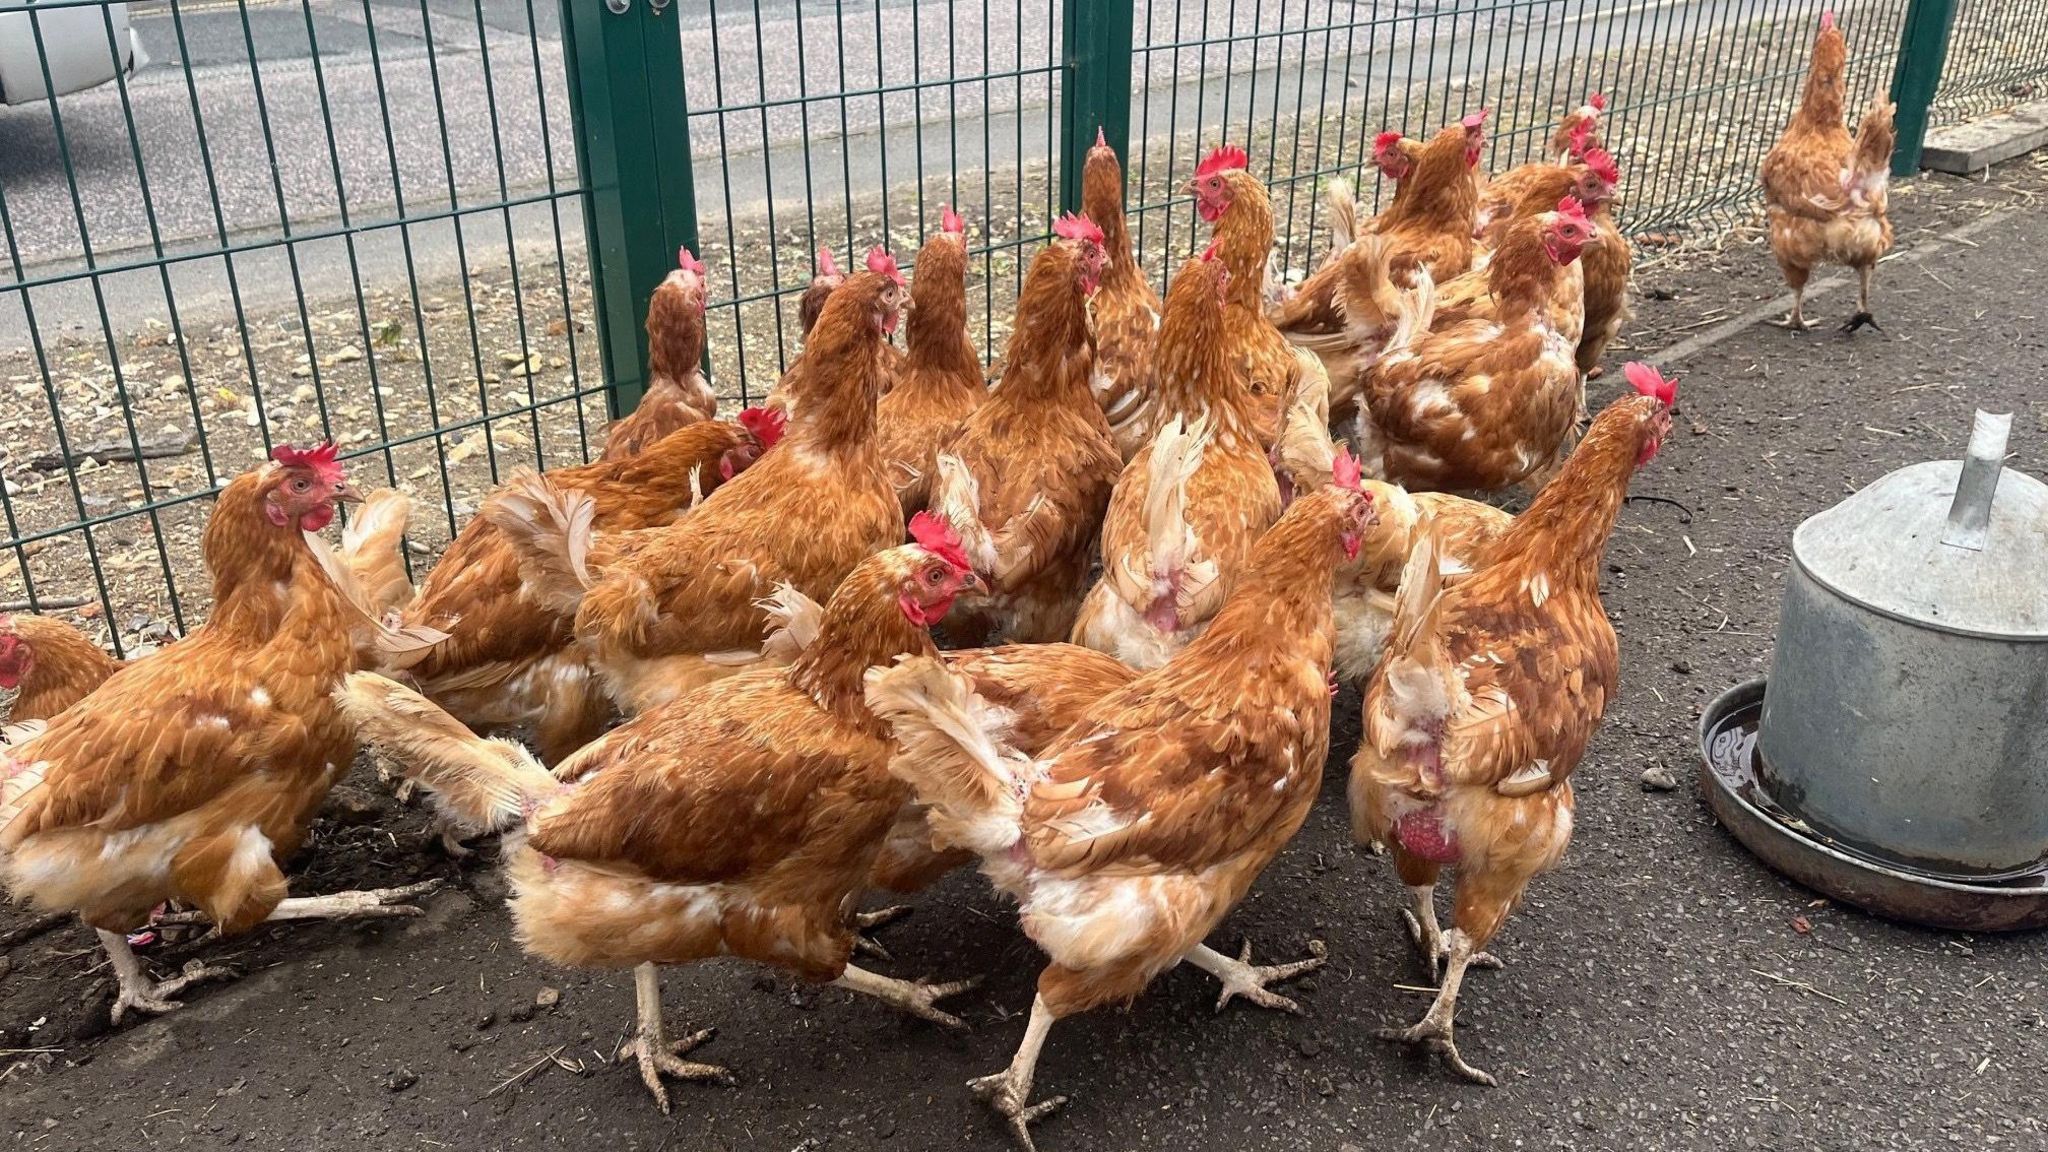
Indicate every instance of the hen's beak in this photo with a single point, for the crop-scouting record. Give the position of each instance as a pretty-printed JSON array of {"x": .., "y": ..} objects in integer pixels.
[
  {"x": 347, "y": 493},
  {"x": 974, "y": 583}
]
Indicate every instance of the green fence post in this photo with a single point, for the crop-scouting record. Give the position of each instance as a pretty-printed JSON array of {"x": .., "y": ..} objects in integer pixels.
[
  {"x": 1923, "y": 50},
  {"x": 1095, "y": 86},
  {"x": 626, "y": 99}
]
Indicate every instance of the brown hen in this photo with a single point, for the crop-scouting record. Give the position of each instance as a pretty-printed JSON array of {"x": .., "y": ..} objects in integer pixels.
[
  {"x": 46, "y": 666},
  {"x": 1026, "y": 480},
  {"x": 940, "y": 383},
  {"x": 1192, "y": 503},
  {"x": 664, "y": 610},
  {"x": 1826, "y": 192},
  {"x": 193, "y": 774},
  {"x": 676, "y": 392},
  {"x": 738, "y": 820},
  {"x": 1135, "y": 832},
  {"x": 1489, "y": 694}
]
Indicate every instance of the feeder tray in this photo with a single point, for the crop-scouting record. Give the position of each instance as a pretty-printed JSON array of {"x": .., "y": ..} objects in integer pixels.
[{"x": 1731, "y": 777}]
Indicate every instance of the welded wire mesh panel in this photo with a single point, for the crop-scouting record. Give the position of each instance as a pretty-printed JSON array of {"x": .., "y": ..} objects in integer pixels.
[
  {"x": 1698, "y": 92},
  {"x": 848, "y": 125},
  {"x": 1997, "y": 57},
  {"x": 230, "y": 224}
]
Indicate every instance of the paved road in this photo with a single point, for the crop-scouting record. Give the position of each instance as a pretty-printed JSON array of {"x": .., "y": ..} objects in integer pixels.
[{"x": 433, "y": 102}]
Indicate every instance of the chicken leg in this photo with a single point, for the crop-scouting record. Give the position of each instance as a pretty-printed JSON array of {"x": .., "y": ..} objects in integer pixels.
[
  {"x": 1429, "y": 939},
  {"x": 657, "y": 1054},
  {"x": 1796, "y": 319},
  {"x": 1434, "y": 1031},
  {"x": 1862, "y": 318},
  {"x": 1007, "y": 1091},
  {"x": 367, "y": 903},
  {"x": 1242, "y": 978},
  {"x": 913, "y": 996},
  {"x": 138, "y": 991}
]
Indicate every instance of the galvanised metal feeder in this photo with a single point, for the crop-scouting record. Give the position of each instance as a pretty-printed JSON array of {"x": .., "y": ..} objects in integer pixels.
[{"x": 1897, "y": 757}]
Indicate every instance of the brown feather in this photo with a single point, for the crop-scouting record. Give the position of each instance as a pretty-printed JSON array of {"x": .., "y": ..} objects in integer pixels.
[
  {"x": 813, "y": 507},
  {"x": 1041, "y": 462},
  {"x": 939, "y": 384}
]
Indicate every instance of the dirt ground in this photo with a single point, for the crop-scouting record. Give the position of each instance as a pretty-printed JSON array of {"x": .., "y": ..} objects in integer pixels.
[{"x": 1664, "y": 990}]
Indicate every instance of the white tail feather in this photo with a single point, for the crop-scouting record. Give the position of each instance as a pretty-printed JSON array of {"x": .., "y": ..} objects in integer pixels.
[
  {"x": 480, "y": 784},
  {"x": 1172, "y": 546},
  {"x": 380, "y": 640},
  {"x": 1341, "y": 199},
  {"x": 1413, "y": 313},
  {"x": 551, "y": 530},
  {"x": 948, "y": 753},
  {"x": 19, "y": 775},
  {"x": 370, "y": 546},
  {"x": 793, "y": 623},
  {"x": 1415, "y": 679},
  {"x": 1306, "y": 453},
  {"x": 956, "y": 498}
]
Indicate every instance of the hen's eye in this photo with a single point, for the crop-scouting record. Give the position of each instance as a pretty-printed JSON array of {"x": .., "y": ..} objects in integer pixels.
[
  {"x": 933, "y": 575},
  {"x": 301, "y": 484}
]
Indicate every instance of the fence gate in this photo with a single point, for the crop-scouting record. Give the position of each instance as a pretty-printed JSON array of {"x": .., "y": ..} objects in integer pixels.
[{"x": 428, "y": 229}]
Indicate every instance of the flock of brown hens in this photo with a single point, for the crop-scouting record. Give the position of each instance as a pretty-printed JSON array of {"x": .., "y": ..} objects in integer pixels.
[{"x": 1149, "y": 555}]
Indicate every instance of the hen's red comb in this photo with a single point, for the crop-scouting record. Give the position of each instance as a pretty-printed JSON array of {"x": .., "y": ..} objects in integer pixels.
[
  {"x": 1074, "y": 226},
  {"x": 1345, "y": 470},
  {"x": 950, "y": 221},
  {"x": 1101, "y": 141},
  {"x": 318, "y": 456},
  {"x": 1385, "y": 142},
  {"x": 688, "y": 262},
  {"x": 1827, "y": 19},
  {"x": 1476, "y": 120},
  {"x": 1209, "y": 253},
  {"x": 937, "y": 537},
  {"x": 1601, "y": 161},
  {"x": 1222, "y": 158},
  {"x": 765, "y": 424},
  {"x": 1597, "y": 101},
  {"x": 1582, "y": 137},
  {"x": 1572, "y": 208},
  {"x": 827, "y": 266},
  {"x": 883, "y": 264},
  {"x": 1647, "y": 380}
]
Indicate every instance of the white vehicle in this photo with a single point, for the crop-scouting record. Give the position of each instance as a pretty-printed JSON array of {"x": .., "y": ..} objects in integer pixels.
[{"x": 75, "y": 41}]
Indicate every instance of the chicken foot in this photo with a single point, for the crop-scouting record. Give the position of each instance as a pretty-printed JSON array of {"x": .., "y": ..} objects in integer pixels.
[
  {"x": 1429, "y": 939},
  {"x": 1241, "y": 977},
  {"x": 367, "y": 903},
  {"x": 1796, "y": 319},
  {"x": 861, "y": 922},
  {"x": 138, "y": 991},
  {"x": 656, "y": 1053},
  {"x": 1862, "y": 318},
  {"x": 913, "y": 996},
  {"x": 1006, "y": 1092},
  {"x": 1434, "y": 1030}
]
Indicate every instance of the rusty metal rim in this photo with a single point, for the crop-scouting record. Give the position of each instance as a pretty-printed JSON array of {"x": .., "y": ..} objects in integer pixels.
[{"x": 1873, "y": 887}]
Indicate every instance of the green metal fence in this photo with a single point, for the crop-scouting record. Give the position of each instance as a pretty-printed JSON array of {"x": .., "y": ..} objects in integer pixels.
[
  {"x": 1997, "y": 57},
  {"x": 428, "y": 229},
  {"x": 304, "y": 220}
]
